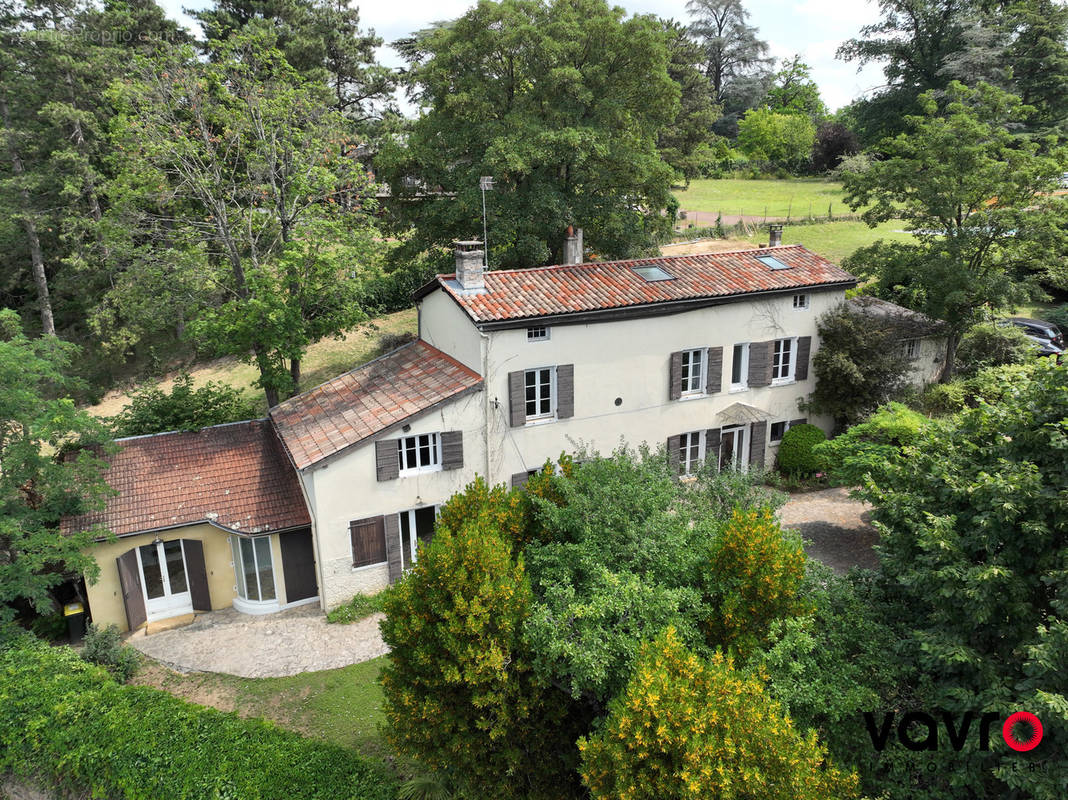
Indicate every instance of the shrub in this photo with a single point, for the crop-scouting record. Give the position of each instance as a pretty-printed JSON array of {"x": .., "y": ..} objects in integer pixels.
[
  {"x": 1058, "y": 316},
  {"x": 359, "y": 607},
  {"x": 690, "y": 730},
  {"x": 152, "y": 410},
  {"x": 989, "y": 345},
  {"x": 864, "y": 451},
  {"x": 796, "y": 456},
  {"x": 104, "y": 646},
  {"x": 66, "y": 721},
  {"x": 755, "y": 570},
  {"x": 990, "y": 385}
]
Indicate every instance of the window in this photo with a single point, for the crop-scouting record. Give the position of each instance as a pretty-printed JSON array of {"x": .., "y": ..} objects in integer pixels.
[
  {"x": 254, "y": 567},
  {"x": 740, "y": 366},
  {"x": 772, "y": 261},
  {"x": 652, "y": 274},
  {"x": 691, "y": 452},
  {"x": 540, "y": 393},
  {"x": 420, "y": 453},
  {"x": 910, "y": 348},
  {"x": 416, "y": 528},
  {"x": 778, "y": 429},
  {"x": 693, "y": 371},
  {"x": 800, "y": 302},
  {"x": 782, "y": 361},
  {"x": 539, "y": 333}
]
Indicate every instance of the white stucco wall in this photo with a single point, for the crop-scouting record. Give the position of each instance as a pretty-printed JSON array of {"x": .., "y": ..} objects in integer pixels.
[
  {"x": 346, "y": 488},
  {"x": 630, "y": 359},
  {"x": 929, "y": 360},
  {"x": 447, "y": 327}
]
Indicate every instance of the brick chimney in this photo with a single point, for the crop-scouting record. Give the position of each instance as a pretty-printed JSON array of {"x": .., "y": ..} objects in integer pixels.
[
  {"x": 573, "y": 246},
  {"x": 470, "y": 271},
  {"x": 775, "y": 234}
]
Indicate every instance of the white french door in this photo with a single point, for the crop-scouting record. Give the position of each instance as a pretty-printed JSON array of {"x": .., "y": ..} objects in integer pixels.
[
  {"x": 416, "y": 525},
  {"x": 732, "y": 453},
  {"x": 164, "y": 579}
]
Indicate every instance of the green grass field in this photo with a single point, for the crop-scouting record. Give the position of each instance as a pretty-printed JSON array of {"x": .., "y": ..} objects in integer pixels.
[
  {"x": 794, "y": 197},
  {"x": 836, "y": 240}
]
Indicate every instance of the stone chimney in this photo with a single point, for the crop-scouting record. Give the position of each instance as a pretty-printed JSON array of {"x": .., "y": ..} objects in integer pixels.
[
  {"x": 573, "y": 246},
  {"x": 775, "y": 234},
  {"x": 470, "y": 271}
]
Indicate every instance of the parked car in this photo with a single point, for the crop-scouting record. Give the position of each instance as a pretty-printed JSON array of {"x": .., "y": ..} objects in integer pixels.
[{"x": 1039, "y": 330}]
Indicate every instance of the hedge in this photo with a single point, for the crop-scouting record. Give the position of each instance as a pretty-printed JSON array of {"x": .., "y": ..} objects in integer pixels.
[{"x": 66, "y": 722}]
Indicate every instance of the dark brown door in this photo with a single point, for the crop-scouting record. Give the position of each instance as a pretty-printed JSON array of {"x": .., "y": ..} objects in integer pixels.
[
  {"x": 198, "y": 574},
  {"x": 298, "y": 566},
  {"x": 132, "y": 596}
]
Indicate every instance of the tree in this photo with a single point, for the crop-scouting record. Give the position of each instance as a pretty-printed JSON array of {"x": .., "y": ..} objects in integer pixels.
[
  {"x": 152, "y": 410},
  {"x": 321, "y": 39},
  {"x": 973, "y": 524},
  {"x": 688, "y": 144},
  {"x": 834, "y": 142},
  {"x": 48, "y": 469},
  {"x": 685, "y": 728},
  {"x": 979, "y": 202},
  {"x": 235, "y": 172},
  {"x": 561, "y": 103},
  {"x": 782, "y": 139},
  {"x": 460, "y": 692},
  {"x": 1037, "y": 60},
  {"x": 859, "y": 366},
  {"x": 731, "y": 47},
  {"x": 793, "y": 91}
]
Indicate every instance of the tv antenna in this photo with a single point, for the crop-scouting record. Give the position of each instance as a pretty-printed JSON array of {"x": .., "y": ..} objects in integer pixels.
[{"x": 484, "y": 183}]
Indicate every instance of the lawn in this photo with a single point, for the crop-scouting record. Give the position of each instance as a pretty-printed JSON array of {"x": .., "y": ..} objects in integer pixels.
[
  {"x": 836, "y": 240},
  {"x": 794, "y": 197},
  {"x": 342, "y": 706},
  {"x": 323, "y": 361}
]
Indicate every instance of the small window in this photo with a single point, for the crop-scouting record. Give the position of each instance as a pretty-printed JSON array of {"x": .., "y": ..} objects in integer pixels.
[
  {"x": 782, "y": 361},
  {"x": 693, "y": 371},
  {"x": 777, "y": 431},
  {"x": 800, "y": 302},
  {"x": 910, "y": 348},
  {"x": 771, "y": 261},
  {"x": 691, "y": 452},
  {"x": 652, "y": 274},
  {"x": 419, "y": 453},
  {"x": 539, "y": 333},
  {"x": 740, "y": 366},
  {"x": 540, "y": 393}
]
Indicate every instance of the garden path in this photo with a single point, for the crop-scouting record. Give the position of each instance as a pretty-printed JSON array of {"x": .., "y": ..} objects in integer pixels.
[{"x": 836, "y": 528}]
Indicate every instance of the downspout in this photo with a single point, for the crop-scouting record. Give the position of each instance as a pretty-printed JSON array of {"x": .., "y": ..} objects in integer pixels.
[{"x": 484, "y": 347}]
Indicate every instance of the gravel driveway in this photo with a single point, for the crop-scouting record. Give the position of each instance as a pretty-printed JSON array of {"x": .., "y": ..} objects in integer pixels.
[{"x": 835, "y": 528}]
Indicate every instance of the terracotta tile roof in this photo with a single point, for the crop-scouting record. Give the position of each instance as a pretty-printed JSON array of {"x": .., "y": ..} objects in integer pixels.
[
  {"x": 354, "y": 406},
  {"x": 549, "y": 291},
  {"x": 235, "y": 476}
]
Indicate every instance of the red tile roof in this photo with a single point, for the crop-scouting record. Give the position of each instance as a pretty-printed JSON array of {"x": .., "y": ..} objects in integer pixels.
[
  {"x": 235, "y": 476},
  {"x": 548, "y": 291},
  {"x": 354, "y": 406}
]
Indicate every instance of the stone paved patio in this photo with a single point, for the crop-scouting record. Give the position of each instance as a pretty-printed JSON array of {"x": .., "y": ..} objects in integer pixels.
[
  {"x": 287, "y": 643},
  {"x": 836, "y": 528}
]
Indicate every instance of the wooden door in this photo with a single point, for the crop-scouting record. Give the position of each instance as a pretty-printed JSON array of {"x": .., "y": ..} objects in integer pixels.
[
  {"x": 298, "y": 566},
  {"x": 132, "y": 595}
]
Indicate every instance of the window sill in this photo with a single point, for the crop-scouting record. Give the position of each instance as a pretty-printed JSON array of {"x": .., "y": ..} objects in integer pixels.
[
  {"x": 530, "y": 423},
  {"x": 408, "y": 473},
  {"x": 366, "y": 567},
  {"x": 736, "y": 389},
  {"x": 782, "y": 381},
  {"x": 693, "y": 396}
]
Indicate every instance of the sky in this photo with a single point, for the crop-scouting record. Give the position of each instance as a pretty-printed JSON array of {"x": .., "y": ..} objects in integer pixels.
[{"x": 812, "y": 29}]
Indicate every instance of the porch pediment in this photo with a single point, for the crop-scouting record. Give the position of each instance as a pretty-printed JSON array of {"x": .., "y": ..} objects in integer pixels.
[{"x": 742, "y": 414}]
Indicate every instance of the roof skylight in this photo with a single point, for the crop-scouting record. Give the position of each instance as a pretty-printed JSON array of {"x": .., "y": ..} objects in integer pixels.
[
  {"x": 654, "y": 274},
  {"x": 772, "y": 261}
]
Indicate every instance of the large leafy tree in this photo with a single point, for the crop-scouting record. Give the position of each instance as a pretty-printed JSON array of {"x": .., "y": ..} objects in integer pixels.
[
  {"x": 793, "y": 91},
  {"x": 784, "y": 139},
  {"x": 321, "y": 39},
  {"x": 46, "y": 471},
  {"x": 561, "y": 102},
  {"x": 979, "y": 202},
  {"x": 973, "y": 522},
  {"x": 234, "y": 177}
]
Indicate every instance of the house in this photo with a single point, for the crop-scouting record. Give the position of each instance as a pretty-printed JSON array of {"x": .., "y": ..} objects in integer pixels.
[
  {"x": 707, "y": 354},
  {"x": 923, "y": 341}
]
